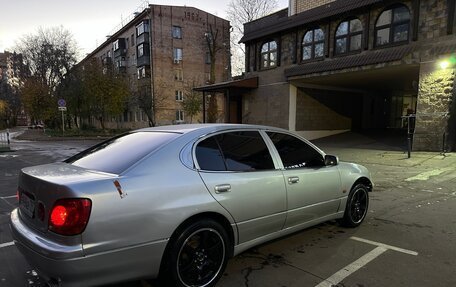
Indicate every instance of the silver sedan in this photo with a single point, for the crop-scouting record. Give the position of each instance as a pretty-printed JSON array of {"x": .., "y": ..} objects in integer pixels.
[{"x": 176, "y": 202}]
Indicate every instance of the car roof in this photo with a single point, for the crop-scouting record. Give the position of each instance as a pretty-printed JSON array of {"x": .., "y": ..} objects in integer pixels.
[{"x": 206, "y": 128}]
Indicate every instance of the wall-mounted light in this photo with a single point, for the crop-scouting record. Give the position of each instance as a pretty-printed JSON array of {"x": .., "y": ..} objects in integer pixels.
[{"x": 444, "y": 64}]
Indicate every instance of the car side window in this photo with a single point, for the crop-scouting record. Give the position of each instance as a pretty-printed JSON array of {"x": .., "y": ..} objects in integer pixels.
[
  {"x": 238, "y": 151},
  {"x": 294, "y": 152},
  {"x": 209, "y": 155}
]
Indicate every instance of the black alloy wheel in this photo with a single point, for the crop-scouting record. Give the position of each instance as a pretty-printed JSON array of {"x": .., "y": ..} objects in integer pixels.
[
  {"x": 357, "y": 205},
  {"x": 198, "y": 256},
  {"x": 201, "y": 257}
]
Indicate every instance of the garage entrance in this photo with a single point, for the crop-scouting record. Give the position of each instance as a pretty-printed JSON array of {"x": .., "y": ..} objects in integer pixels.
[{"x": 364, "y": 100}]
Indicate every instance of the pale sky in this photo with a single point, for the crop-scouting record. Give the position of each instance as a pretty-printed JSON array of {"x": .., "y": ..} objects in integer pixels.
[{"x": 88, "y": 20}]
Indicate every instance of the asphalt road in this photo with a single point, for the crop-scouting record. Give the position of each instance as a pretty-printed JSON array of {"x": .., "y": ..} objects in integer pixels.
[{"x": 407, "y": 238}]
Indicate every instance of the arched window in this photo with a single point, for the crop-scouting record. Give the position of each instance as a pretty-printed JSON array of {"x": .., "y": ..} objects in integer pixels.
[
  {"x": 393, "y": 26},
  {"x": 313, "y": 44},
  {"x": 269, "y": 54},
  {"x": 349, "y": 36}
]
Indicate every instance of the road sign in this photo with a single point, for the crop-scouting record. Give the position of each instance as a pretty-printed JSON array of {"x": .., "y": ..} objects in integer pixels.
[
  {"x": 63, "y": 109},
  {"x": 61, "y": 103}
]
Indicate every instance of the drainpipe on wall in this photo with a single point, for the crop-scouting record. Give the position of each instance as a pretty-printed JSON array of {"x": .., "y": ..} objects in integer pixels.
[
  {"x": 291, "y": 7},
  {"x": 151, "y": 66},
  {"x": 451, "y": 139}
]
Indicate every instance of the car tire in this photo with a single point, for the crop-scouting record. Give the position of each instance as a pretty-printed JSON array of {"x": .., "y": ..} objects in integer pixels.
[
  {"x": 197, "y": 256},
  {"x": 357, "y": 205}
]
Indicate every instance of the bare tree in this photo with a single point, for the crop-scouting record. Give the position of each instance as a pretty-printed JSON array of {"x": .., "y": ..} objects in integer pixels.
[
  {"x": 49, "y": 54},
  {"x": 193, "y": 102},
  {"x": 214, "y": 44},
  {"x": 240, "y": 12},
  {"x": 150, "y": 103}
]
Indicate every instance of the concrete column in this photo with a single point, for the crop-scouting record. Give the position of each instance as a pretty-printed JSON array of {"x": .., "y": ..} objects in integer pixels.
[
  {"x": 292, "y": 108},
  {"x": 433, "y": 107}
]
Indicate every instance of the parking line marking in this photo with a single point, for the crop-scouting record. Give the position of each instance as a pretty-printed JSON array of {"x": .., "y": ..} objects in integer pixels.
[
  {"x": 386, "y": 246},
  {"x": 6, "y": 201},
  {"x": 340, "y": 275},
  {"x": 8, "y": 197},
  {"x": 6, "y": 244},
  {"x": 337, "y": 277}
]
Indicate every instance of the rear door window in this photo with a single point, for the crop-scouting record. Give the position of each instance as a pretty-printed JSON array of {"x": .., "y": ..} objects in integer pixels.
[
  {"x": 209, "y": 155},
  {"x": 238, "y": 151}
]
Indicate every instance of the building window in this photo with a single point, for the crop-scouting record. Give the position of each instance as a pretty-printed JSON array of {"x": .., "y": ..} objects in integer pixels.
[
  {"x": 349, "y": 36},
  {"x": 109, "y": 54},
  {"x": 177, "y": 32},
  {"x": 313, "y": 44},
  {"x": 141, "y": 72},
  {"x": 115, "y": 45},
  {"x": 142, "y": 28},
  {"x": 179, "y": 116},
  {"x": 179, "y": 96},
  {"x": 208, "y": 58},
  {"x": 141, "y": 50},
  {"x": 269, "y": 55},
  {"x": 178, "y": 75},
  {"x": 132, "y": 40},
  {"x": 177, "y": 55},
  {"x": 121, "y": 63},
  {"x": 392, "y": 26}
]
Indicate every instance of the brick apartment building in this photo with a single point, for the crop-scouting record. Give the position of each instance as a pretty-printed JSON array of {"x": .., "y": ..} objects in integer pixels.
[
  {"x": 12, "y": 69},
  {"x": 322, "y": 67},
  {"x": 163, "y": 51}
]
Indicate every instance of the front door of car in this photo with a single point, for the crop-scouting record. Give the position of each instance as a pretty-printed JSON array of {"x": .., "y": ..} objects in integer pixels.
[
  {"x": 313, "y": 189},
  {"x": 239, "y": 172}
]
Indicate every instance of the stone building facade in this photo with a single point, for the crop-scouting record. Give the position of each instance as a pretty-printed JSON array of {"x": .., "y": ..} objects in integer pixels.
[
  {"x": 325, "y": 67},
  {"x": 164, "y": 53}
]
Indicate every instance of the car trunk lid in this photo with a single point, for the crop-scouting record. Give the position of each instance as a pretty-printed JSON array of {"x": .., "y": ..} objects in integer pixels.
[{"x": 41, "y": 186}]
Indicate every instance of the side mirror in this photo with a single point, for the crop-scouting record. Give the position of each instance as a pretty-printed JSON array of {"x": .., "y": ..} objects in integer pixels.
[{"x": 331, "y": 160}]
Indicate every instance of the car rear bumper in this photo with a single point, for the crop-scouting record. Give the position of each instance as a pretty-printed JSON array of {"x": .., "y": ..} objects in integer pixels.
[{"x": 70, "y": 267}]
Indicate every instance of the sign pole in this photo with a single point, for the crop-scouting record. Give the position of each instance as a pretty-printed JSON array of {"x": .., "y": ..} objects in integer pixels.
[{"x": 63, "y": 123}]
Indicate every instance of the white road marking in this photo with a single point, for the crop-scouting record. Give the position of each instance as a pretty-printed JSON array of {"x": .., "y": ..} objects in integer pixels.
[
  {"x": 426, "y": 175},
  {"x": 8, "y": 197},
  {"x": 386, "y": 246},
  {"x": 7, "y": 244},
  {"x": 8, "y": 155},
  {"x": 340, "y": 275},
  {"x": 337, "y": 277}
]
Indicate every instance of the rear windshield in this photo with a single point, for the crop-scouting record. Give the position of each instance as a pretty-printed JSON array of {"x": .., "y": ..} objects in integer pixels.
[{"x": 119, "y": 153}]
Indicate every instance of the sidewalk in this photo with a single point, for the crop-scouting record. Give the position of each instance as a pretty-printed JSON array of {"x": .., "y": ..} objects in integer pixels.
[{"x": 361, "y": 149}]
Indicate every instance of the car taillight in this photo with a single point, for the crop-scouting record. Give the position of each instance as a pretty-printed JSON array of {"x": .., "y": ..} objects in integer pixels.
[{"x": 70, "y": 216}]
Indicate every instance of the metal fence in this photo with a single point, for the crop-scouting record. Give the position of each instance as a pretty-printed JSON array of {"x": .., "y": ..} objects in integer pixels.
[{"x": 4, "y": 140}]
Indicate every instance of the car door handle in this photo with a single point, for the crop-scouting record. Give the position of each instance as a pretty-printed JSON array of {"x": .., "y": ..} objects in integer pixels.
[
  {"x": 293, "y": 179},
  {"x": 222, "y": 188}
]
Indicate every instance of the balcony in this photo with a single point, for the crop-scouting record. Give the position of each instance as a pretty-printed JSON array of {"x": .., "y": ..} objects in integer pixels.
[
  {"x": 119, "y": 47},
  {"x": 121, "y": 52},
  {"x": 143, "y": 61},
  {"x": 143, "y": 38}
]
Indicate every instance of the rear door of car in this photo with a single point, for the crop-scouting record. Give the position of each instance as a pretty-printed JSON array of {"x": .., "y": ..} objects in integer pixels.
[
  {"x": 313, "y": 189},
  {"x": 240, "y": 173}
]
